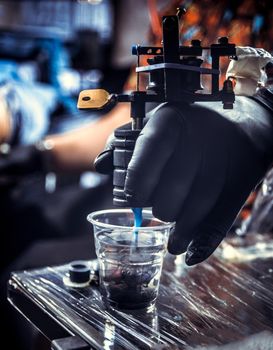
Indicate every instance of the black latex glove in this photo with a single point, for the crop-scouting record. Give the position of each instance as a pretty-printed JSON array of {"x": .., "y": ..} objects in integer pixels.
[
  {"x": 21, "y": 160},
  {"x": 197, "y": 165}
]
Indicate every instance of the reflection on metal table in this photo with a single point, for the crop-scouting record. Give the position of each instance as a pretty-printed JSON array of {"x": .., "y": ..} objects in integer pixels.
[{"x": 225, "y": 299}]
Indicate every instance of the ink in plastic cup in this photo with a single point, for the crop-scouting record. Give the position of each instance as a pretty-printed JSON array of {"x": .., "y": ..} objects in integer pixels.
[{"x": 130, "y": 259}]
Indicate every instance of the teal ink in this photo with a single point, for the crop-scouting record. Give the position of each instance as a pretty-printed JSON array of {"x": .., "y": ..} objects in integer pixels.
[
  {"x": 138, "y": 216},
  {"x": 137, "y": 223}
]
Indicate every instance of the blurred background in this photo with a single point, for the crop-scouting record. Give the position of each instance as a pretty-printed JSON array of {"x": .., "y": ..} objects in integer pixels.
[{"x": 50, "y": 50}]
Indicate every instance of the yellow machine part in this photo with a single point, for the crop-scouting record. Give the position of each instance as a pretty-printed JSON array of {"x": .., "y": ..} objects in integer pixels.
[{"x": 96, "y": 98}]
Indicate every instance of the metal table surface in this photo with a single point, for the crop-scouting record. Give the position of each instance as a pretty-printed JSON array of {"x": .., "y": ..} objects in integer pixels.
[{"x": 225, "y": 299}]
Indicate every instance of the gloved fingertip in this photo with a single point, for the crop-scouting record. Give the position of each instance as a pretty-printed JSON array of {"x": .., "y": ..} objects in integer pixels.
[
  {"x": 131, "y": 200},
  {"x": 193, "y": 259},
  {"x": 103, "y": 163},
  {"x": 136, "y": 196},
  {"x": 175, "y": 247},
  {"x": 174, "y": 251},
  {"x": 137, "y": 201},
  {"x": 197, "y": 254},
  {"x": 203, "y": 245}
]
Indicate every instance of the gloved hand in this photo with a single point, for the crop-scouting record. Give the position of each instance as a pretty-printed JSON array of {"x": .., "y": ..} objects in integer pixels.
[{"x": 197, "y": 165}]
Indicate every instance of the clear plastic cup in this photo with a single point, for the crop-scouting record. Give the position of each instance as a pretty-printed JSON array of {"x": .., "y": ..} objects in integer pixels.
[{"x": 130, "y": 258}]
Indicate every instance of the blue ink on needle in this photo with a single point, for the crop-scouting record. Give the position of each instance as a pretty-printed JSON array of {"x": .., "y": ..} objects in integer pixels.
[
  {"x": 138, "y": 216},
  {"x": 137, "y": 222}
]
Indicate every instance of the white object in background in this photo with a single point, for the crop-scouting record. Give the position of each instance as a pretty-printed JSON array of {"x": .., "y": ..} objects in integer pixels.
[
  {"x": 91, "y": 179},
  {"x": 247, "y": 69},
  {"x": 50, "y": 182}
]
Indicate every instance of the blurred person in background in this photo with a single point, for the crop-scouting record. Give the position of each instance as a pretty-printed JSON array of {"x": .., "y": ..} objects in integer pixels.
[{"x": 49, "y": 51}]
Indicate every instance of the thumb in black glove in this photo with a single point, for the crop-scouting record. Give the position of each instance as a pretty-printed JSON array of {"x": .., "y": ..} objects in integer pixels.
[{"x": 104, "y": 161}]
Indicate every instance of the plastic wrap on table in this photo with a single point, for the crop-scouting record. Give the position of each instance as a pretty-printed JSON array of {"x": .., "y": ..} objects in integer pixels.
[{"x": 207, "y": 306}]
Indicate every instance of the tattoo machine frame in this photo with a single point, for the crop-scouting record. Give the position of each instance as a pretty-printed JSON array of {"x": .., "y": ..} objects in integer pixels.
[{"x": 174, "y": 76}]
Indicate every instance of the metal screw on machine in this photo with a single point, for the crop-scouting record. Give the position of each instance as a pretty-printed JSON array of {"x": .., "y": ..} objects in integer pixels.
[
  {"x": 196, "y": 43},
  {"x": 223, "y": 40}
]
